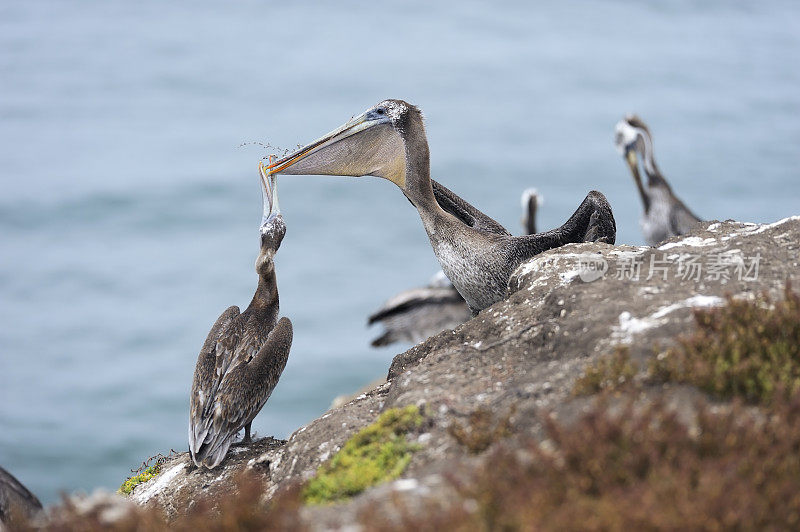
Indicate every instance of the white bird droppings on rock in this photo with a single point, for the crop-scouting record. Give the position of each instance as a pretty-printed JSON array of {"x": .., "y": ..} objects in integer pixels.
[
  {"x": 690, "y": 241},
  {"x": 153, "y": 487},
  {"x": 406, "y": 484},
  {"x": 629, "y": 325}
]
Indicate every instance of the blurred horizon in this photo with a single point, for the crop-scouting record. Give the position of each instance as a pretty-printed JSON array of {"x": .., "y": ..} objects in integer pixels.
[{"x": 129, "y": 140}]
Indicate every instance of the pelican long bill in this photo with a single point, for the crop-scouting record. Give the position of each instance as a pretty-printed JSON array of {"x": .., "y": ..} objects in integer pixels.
[{"x": 364, "y": 145}]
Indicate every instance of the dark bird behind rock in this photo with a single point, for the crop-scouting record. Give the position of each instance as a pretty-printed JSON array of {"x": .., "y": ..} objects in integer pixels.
[
  {"x": 16, "y": 501},
  {"x": 415, "y": 315}
]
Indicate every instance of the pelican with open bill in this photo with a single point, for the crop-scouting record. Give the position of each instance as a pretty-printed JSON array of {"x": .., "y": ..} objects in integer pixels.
[
  {"x": 476, "y": 253},
  {"x": 244, "y": 354}
]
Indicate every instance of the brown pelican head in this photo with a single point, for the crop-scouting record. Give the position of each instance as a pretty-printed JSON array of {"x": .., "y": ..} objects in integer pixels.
[
  {"x": 272, "y": 228},
  {"x": 632, "y": 136},
  {"x": 629, "y": 138},
  {"x": 387, "y": 140}
]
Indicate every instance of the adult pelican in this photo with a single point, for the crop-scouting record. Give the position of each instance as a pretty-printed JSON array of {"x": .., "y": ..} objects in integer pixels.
[{"x": 476, "y": 253}]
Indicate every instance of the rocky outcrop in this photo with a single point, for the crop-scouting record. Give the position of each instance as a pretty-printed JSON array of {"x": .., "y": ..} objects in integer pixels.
[{"x": 519, "y": 358}]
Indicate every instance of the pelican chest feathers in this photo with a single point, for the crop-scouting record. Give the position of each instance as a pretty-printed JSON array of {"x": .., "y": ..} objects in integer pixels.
[
  {"x": 417, "y": 314},
  {"x": 244, "y": 354},
  {"x": 476, "y": 253}
]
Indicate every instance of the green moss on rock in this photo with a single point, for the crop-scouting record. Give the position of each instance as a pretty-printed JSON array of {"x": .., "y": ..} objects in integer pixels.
[
  {"x": 375, "y": 454},
  {"x": 141, "y": 478}
]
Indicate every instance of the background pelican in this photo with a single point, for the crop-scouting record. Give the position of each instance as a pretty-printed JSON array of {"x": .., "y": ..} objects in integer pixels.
[{"x": 664, "y": 214}]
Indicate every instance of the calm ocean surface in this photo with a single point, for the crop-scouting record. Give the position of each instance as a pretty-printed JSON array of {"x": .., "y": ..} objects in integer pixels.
[{"x": 129, "y": 207}]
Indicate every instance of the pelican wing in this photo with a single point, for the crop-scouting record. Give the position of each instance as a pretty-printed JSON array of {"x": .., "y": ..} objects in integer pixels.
[
  {"x": 14, "y": 496},
  {"x": 681, "y": 219},
  {"x": 415, "y": 297},
  {"x": 206, "y": 379},
  {"x": 244, "y": 389},
  {"x": 455, "y": 205},
  {"x": 593, "y": 221}
]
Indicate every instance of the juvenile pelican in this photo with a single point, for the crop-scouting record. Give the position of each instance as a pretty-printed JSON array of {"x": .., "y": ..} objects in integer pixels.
[
  {"x": 476, "y": 253},
  {"x": 417, "y": 314},
  {"x": 664, "y": 214},
  {"x": 244, "y": 354}
]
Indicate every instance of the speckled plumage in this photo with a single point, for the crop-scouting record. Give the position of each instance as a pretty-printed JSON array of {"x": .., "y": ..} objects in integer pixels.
[
  {"x": 418, "y": 313},
  {"x": 241, "y": 360},
  {"x": 477, "y": 254},
  {"x": 664, "y": 215},
  {"x": 479, "y": 262}
]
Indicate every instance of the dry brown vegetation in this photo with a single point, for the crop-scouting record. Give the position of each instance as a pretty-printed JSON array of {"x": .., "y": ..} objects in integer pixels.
[
  {"x": 483, "y": 428},
  {"x": 636, "y": 470},
  {"x": 747, "y": 349},
  {"x": 633, "y": 469},
  {"x": 240, "y": 509},
  {"x": 608, "y": 373},
  {"x": 647, "y": 470}
]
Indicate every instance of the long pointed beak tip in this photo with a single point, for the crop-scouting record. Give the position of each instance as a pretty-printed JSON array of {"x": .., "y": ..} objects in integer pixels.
[
  {"x": 268, "y": 187},
  {"x": 273, "y": 167},
  {"x": 353, "y": 126}
]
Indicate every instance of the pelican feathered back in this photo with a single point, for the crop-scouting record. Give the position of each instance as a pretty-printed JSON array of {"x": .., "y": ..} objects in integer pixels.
[{"x": 237, "y": 370}]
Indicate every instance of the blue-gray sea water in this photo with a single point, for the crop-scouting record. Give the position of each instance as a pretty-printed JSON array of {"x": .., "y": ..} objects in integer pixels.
[{"x": 130, "y": 204}]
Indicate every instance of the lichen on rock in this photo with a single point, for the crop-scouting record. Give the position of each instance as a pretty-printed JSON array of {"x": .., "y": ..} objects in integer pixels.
[
  {"x": 377, "y": 453},
  {"x": 148, "y": 474}
]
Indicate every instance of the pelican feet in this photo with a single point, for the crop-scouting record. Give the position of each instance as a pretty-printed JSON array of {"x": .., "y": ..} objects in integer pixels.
[{"x": 247, "y": 439}]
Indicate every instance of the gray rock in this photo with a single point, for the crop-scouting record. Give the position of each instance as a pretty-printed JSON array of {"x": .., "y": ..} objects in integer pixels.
[{"x": 520, "y": 357}]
